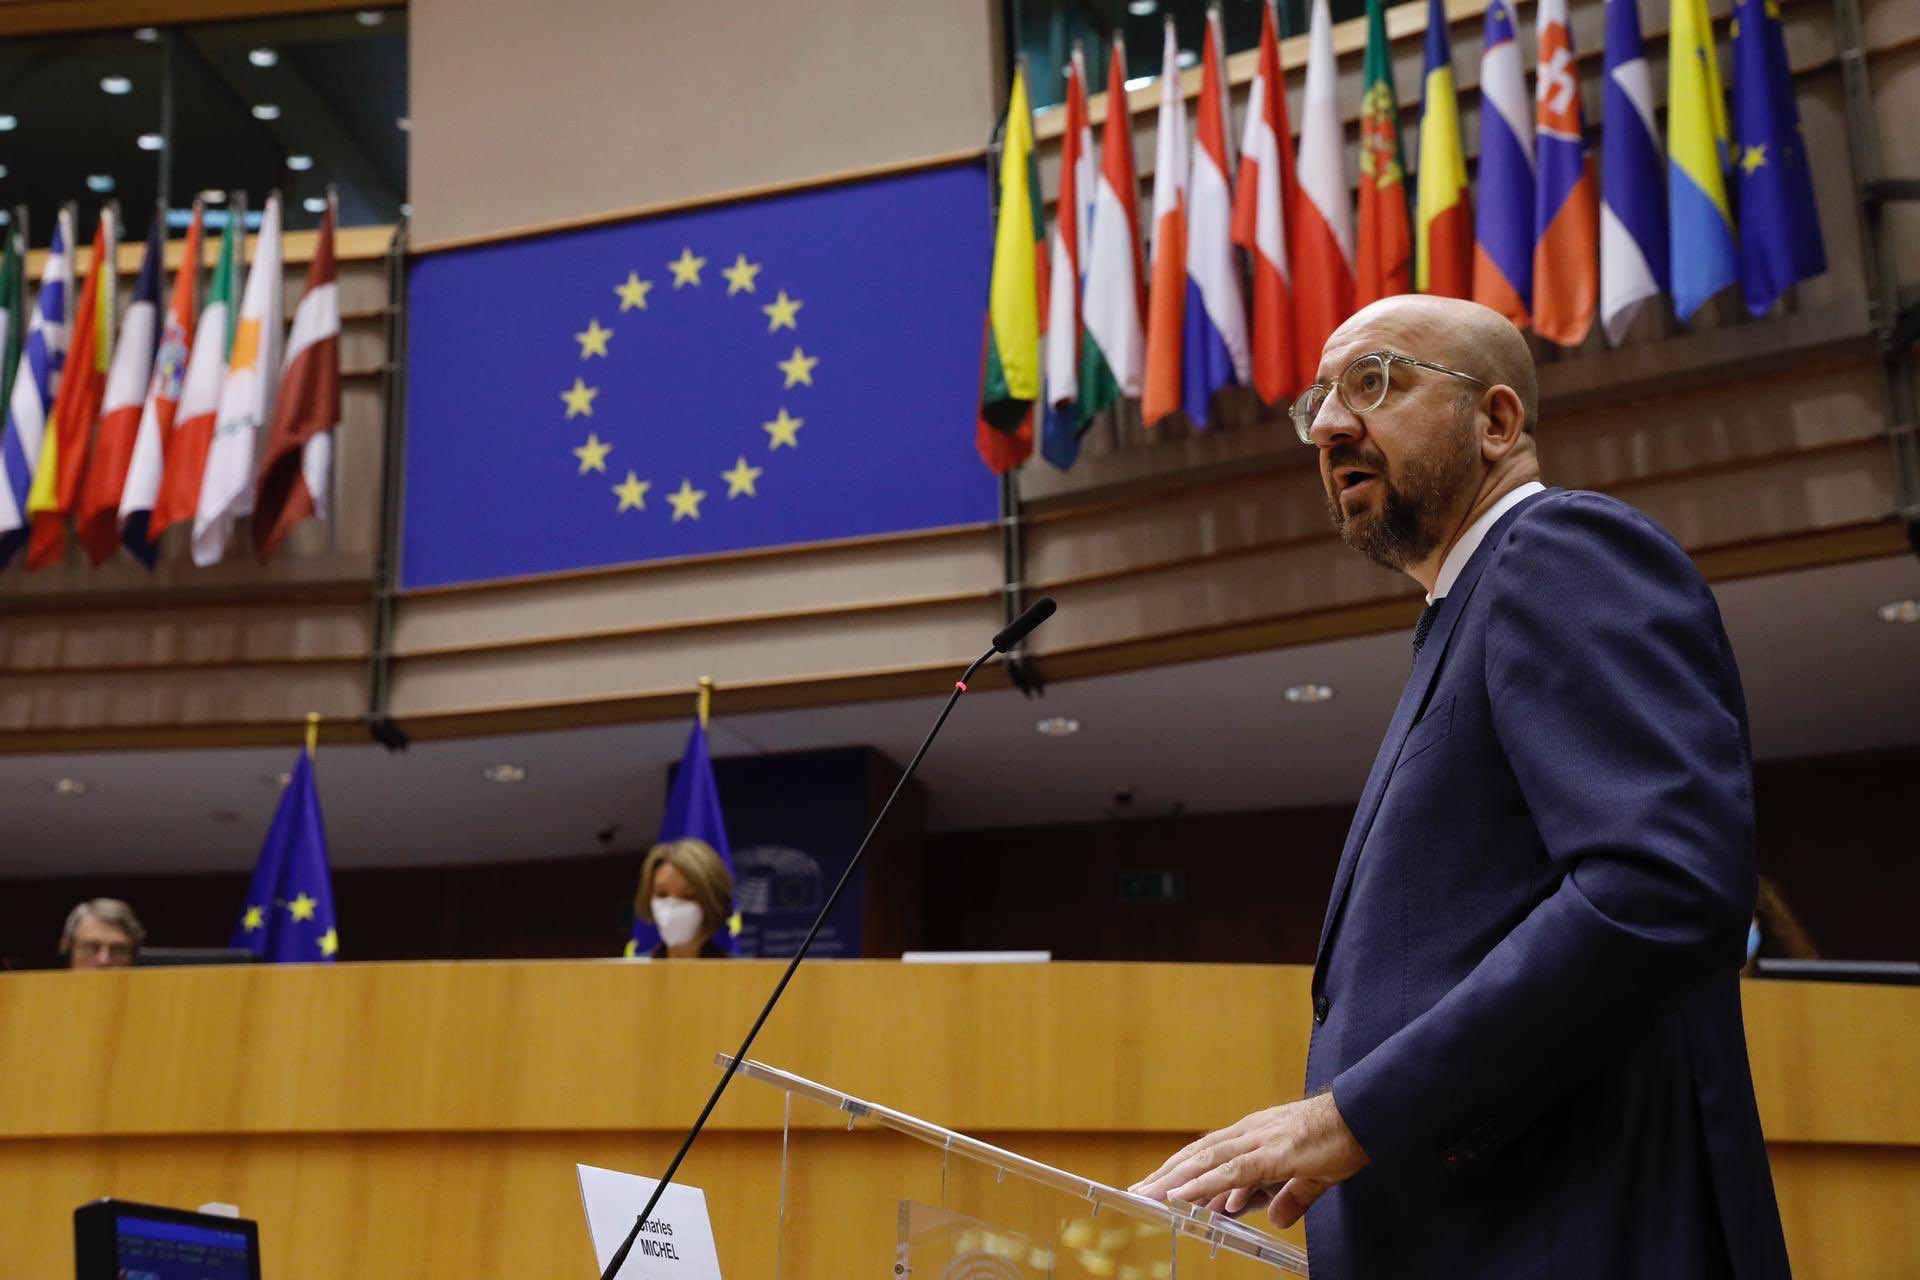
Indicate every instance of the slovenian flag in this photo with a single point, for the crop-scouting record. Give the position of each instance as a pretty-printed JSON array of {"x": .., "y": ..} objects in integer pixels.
[
  {"x": 63, "y": 452},
  {"x": 1320, "y": 239},
  {"x": 185, "y": 447},
  {"x": 97, "y": 518},
  {"x": 1503, "y": 249},
  {"x": 1633, "y": 210},
  {"x": 1702, "y": 222},
  {"x": 1779, "y": 226},
  {"x": 1113, "y": 358},
  {"x": 1213, "y": 352},
  {"x": 35, "y": 381},
  {"x": 162, "y": 402},
  {"x": 1060, "y": 436},
  {"x": 1566, "y": 221},
  {"x": 1444, "y": 264},
  {"x": 298, "y": 467},
  {"x": 1167, "y": 296}
]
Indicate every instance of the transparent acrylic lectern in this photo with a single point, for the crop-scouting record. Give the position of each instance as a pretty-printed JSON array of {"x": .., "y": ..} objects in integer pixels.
[{"x": 926, "y": 1202}]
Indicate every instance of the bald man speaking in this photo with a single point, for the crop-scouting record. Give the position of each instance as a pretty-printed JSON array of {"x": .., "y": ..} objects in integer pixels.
[{"x": 1528, "y": 1058}]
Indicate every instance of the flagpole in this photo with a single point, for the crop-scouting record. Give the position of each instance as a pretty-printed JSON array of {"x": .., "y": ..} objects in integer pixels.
[
  {"x": 313, "y": 733},
  {"x": 705, "y": 697}
]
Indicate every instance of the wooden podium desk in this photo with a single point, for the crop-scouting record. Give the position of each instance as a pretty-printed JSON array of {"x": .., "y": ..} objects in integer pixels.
[{"x": 423, "y": 1120}]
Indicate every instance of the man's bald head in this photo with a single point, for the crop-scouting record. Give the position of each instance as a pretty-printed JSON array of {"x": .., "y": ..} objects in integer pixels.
[{"x": 1451, "y": 331}]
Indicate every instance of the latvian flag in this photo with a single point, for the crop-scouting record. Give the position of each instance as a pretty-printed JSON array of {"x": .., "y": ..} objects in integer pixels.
[{"x": 299, "y": 454}]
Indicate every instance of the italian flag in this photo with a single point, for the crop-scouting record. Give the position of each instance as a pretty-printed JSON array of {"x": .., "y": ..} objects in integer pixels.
[{"x": 1113, "y": 356}]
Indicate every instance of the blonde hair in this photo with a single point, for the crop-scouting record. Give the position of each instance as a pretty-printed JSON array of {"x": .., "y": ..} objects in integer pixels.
[
  {"x": 697, "y": 861},
  {"x": 109, "y": 911}
]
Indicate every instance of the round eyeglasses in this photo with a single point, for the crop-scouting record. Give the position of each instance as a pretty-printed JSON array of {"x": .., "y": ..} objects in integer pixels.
[{"x": 1363, "y": 387}]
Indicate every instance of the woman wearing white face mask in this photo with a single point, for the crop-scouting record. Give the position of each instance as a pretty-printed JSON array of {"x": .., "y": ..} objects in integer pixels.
[{"x": 686, "y": 890}]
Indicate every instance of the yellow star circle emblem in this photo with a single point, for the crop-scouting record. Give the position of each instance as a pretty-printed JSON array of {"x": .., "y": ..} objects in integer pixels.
[
  {"x": 784, "y": 429},
  {"x": 686, "y": 268},
  {"x": 593, "y": 454},
  {"x": 781, "y": 312},
  {"x": 593, "y": 340},
  {"x": 329, "y": 943},
  {"x": 686, "y": 502},
  {"x": 633, "y": 292},
  {"x": 301, "y": 908},
  {"x": 255, "y": 918},
  {"x": 740, "y": 479},
  {"x": 740, "y": 275},
  {"x": 633, "y": 493},
  {"x": 579, "y": 398},
  {"x": 798, "y": 367}
]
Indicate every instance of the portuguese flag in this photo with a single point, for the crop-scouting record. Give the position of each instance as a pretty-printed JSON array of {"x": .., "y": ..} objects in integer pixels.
[{"x": 1385, "y": 265}]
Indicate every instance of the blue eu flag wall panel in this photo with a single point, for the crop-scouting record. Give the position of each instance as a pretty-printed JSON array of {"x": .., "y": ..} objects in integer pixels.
[{"x": 789, "y": 370}]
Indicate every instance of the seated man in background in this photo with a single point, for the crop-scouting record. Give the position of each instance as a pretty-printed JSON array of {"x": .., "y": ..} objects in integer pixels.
[{"x": 101, "y": 933}]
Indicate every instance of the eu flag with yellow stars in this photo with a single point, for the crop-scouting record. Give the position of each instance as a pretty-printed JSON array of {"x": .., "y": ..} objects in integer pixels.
[
  {"x": 794, "y": 369},
  {"x": 1780, "y": 240},
  {"x": 288, "y": 914}
]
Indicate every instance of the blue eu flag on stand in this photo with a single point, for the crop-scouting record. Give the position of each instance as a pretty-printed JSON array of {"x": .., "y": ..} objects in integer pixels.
[
  {"x": 693, "y": 813},
  {"x": 1779, "y": 225},
  {"x": 288, "y": 914}
]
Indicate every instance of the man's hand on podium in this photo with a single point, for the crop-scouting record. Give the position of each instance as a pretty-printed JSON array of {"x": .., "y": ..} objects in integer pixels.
[{"x": 1285, "y": 1156}]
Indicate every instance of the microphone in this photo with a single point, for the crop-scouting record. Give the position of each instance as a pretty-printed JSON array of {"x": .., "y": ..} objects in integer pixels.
[{"x": 1011, "y": 635}]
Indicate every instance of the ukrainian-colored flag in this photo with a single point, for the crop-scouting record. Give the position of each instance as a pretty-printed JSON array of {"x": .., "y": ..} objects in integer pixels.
[
  {"x": 1444, "y": 240},
  {"x": 1779, "y": 225},
  {"x": 1702, "y": 222}
]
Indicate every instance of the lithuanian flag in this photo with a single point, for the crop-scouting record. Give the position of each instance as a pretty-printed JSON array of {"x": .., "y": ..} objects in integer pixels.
[{"x": 1010, "y": 383}]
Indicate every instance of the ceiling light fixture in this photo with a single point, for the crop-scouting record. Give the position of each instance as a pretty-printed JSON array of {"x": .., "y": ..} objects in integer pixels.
[
  {"x": 1059, "y": 726},
  {"x": 151, "y": 142},
  {"x": 213, "y": 196},
  {"x": 369, "y": 17},
  {"x": 403, "y": 123},
  {"x": 265, "y": 111},
  {"x": 1187, "y": 58},
  {"x": 66, "y": 786},
  {"x": 1900, "y": 611},
  {"x": 504, "y": 773},
  {"x": 147, "y": 35},
  {"x": 300, "y": 163},
  {"x": 3, "y": 171},
  {"x": 118, "y": 86},
  {"x": 262, "y": 57},
  {"x": 9, "y": 123},
  {"x": 1309, "y": 693},
  {"x": 100, "y": 182},
  {"x": 1141, "y": 8},
  {"x": 314, "y": 204}
]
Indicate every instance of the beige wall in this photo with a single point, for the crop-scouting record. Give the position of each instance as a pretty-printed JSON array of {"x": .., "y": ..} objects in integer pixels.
[{"x": 525, "y": 114}]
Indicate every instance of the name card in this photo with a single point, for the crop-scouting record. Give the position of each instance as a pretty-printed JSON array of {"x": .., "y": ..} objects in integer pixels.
[{"x": 676, "y": 1243}]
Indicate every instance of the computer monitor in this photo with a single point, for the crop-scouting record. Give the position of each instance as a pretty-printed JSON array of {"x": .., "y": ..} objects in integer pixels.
[{"x": 121, "y": 1240}]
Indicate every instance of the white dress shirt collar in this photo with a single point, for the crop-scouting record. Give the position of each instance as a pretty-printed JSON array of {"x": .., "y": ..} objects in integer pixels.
[{"x": 1476, "y": 532}]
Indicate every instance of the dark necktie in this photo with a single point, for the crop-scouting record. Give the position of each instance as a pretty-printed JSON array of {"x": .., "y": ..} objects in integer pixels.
[{"x": 1425, "y": 624}]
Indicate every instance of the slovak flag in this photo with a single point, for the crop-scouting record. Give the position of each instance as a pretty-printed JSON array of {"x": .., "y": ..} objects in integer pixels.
[
  {"x": 1260, "y": 208},
  {"x": 1214, "y": 352},
  {"x": 1566, "y": 221},
  {"x": 1167, "y": 294}
]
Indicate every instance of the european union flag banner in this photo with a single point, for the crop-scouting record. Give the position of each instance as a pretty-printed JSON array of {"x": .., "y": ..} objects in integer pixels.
[
  {"x": 1779, "y": 226},
  {"x": 288, "y": 914},
  {"x": 790, "y": 370},
  {"x": 693, "y": 813}
]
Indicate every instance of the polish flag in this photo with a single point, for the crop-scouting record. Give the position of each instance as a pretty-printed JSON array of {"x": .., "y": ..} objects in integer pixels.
[
  {"x": 1321, "y": 230},
  {"x": 1167, "y": 298},
  {"x": 1268, "y": 188},
  {"x": 299, "y": 456}
]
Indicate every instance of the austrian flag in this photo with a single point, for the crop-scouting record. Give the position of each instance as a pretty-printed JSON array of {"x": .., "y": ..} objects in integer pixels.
[{"x": 299, "y": 453}]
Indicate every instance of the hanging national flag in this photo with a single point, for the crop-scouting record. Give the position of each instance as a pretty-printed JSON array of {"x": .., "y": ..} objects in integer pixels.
[
  {"x": 96, "y": 519},
  {"x": 1060, "y": 437},
  {"x": 1012, "y": 381},
  {"x": 13, "y": 311},
  {"x": 63, "y": 453},
  {"x": 1779, "y": 226},
  {"x": 1262, "y": 210},
  {"x": 1320, "y": 221},
  {"x": 1444, "y": 264},
  {"x": 1633, "y": 209},
  {"x": 35, "y": 383},
  {"x": 246, "y": 397},
  {"x": 294, "y": 478},
  {"x": 162, "y": 403},
  {"x": 1113, "y": 358},
  {"x": 1386, "y": 232},
  {"x": 1167, "y": 293},
  {"x": 693, "y": 813},
  {"x": 1702, "y": 221},
  {"x": 185, "y": 446},
  {"x": 1503, "y": 251},
  {"x": 288, "y": 913},
  {"x": 1566, "y": 220},
  {"x": 1213, "y": 350}
]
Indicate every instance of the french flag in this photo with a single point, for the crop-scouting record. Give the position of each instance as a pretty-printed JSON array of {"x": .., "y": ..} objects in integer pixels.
[
  {"x": 1503, "y": 245},
  {"x": 1321, "y": 230},
  {"x": 1167, "y": 292},
  {"x": 1566, "y": 246},
  {"x": 1267, "y": 187},
  {"x": 1214, "y": 351}
]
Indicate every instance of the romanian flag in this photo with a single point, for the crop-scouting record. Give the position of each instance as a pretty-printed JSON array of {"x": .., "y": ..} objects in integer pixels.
[
  {"x": 1503, "y": 252},
  {"x": 1633, "y": 209},
  {"x": 1566, "y": 220},
  {"x": 1167, "y": 296},
  {"x": 1060, "y": 436},
  {"x": 1779, "y": 226},
  {"x": 287, "y": 917},
  {"x": 1011, "y": 384},
  {"x": 1445, "y": 261},
  {"x": 36, "y": 379},
  {"x": 1386, "y": 233},
  {"x": 1702, "y": 221},
  {"x": 185, "y": 446},
  {"x": 1261, "y": 207},
  {"x": 97, "y": 518},
  {"x": 298, "y": 466},
  {"x": 1213, "y": 352},
  {"x": 1113, "y": 358},
  {"x": 163, "y": 402},
  {"x": 1320, "y": 219},
  {"x": 63, "y": 453}
]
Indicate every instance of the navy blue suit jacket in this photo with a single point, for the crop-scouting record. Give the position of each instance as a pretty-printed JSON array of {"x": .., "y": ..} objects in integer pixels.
[{"x": 1526, "y": 998}]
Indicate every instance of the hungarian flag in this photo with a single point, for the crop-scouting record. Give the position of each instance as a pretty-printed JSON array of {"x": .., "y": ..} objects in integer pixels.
[
  {"x": 1268, "y": 189},
  {"x": 1167, "y": 294},
  {"x": 1060, "y": 436},
  {"x": 299, "y": 457},
  {"x": 1445, "y": 261},
  {"x": 97, "y": 519},
  {"x": 1320, "y": 232},
  {"x": 63, "y": 454},
  {"x": 1386, "y": 232},
  {"x": 1214, "y": 352},
  {"x": 1012, "y": 381},
  {"x": 137, "y": 497},
  {"x": 1566, "y": 208},
  {"x": 185, "y": 447},
  {"x": 246, "y": 397},
  {"x": 1113, "y": 358}
]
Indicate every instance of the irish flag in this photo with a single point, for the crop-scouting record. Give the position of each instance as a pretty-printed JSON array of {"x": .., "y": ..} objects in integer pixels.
[
  {"x": 299, "y": 458},
  {"x": 1060, "y": 438},
  {"x": 163, "y": 401},
  {"x": 1113, "y": 358},
  {"x": 63, "y": 454},
  {"x": 97, "y": 519},
  {"x": 1167, "y": 297},
  {"x": 1260, "y": 217},
  {"x": 185, "y": 447},
  {"x": 1320, "y": 235}
]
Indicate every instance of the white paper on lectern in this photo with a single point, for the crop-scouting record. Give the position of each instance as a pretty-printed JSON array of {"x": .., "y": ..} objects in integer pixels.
[{"x": 613, "y": 1200}]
